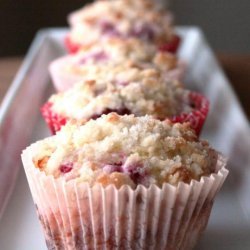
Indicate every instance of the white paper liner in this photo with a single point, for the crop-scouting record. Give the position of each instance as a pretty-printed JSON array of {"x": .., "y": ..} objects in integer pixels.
[
  {"x": 77, "y": 216},
  {"x": 63, "y": 79}
]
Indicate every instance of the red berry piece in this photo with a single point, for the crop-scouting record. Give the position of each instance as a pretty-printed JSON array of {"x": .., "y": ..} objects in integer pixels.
[
  {"x": 136, "y": 172},
  {"x": 66, "y": 168}
]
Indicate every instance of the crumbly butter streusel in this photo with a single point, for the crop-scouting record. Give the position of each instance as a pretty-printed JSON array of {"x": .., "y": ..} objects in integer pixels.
[
  {"x": 106, "y": 60},
  {"x": 121, "y": 18},
  {"x": 128, "y": 150},
  {"x": 134, "y": 91}
]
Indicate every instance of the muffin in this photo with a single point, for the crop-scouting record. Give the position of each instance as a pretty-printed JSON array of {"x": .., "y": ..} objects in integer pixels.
[
  {"x": 123, "y": 182},
  {"x": 142, "y": 19},
  {"x": 135, "y": 91},
  {"x": 99, "y": 61}
]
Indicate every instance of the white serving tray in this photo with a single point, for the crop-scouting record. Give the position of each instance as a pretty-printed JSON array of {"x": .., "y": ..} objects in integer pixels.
[{"x": 227, "y": 129}]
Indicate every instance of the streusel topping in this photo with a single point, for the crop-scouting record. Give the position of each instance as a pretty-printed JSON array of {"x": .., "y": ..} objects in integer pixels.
[
  {"x": 142, "y": 19},
  {"x": 132, "y": 91},
  {"x": 128, "y": 150},
  {"x": 115, "y": 51},
  {"x": 106, "y": 60}
]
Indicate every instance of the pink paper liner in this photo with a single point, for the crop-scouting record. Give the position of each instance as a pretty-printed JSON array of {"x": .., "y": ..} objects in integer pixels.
[
  {"x": 61, "y": 79},
  {"x": 77, "y": 216}
]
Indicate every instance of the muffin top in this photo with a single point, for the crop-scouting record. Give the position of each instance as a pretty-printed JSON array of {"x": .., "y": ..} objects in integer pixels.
[
  {"x": 121, "y": 18},
  {"x": 101, "y": 57},
  {"x": 125, "y": 150},
  {"x": 134, "y": 91}
]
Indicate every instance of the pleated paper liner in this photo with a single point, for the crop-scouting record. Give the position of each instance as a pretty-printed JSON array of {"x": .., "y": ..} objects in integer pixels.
[
  {"x": 63, "y": 79},
  {"x": 54, "y": 121},
  {"x": 197, "y": 116},
  {"x": 76, "y": 216}
]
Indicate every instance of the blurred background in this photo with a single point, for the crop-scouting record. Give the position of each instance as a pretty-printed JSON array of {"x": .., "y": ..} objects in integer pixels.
[{"x": 225, "y": 22}]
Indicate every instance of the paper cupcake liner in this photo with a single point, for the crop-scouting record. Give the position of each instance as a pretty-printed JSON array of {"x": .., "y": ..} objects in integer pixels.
[
  {"x": 61, "y": 79},
  {"x": 77, "y": 216},
  {"x": 53, "y": 120},
  {"x": 71, "y": 47},
  {"x": 197, "y": 117}
]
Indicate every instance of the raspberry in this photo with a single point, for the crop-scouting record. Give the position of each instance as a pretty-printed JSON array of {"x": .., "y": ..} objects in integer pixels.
[{"x": 66, "y": 168}]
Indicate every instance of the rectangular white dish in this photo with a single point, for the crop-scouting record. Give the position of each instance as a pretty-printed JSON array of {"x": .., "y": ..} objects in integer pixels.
[{"x": 227, "y": 129}]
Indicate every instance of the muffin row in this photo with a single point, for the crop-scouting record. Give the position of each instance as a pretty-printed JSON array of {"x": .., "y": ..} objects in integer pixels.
[
  {"x": 126, "y": 168},
  {"x": 127, "y": 76}
]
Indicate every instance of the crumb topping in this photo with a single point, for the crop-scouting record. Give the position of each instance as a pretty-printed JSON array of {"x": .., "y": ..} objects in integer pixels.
[
  {"x": 126, "y": 150},
  {"x": 142, "y": 19},
  {"x": 115, "y": 51},
  {"x": 111, "y": 58},
  {"x": 132, "y": 91}
]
